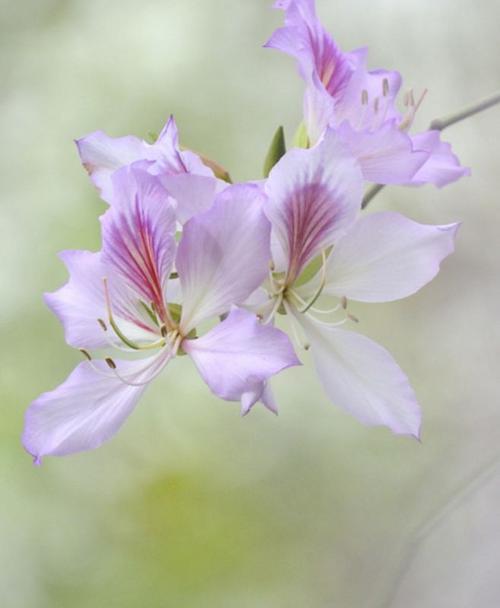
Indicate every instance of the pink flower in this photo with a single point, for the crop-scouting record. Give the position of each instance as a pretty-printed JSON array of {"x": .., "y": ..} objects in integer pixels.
[
  {"x": 323, "y": 251},
  {"x": 128, "y": 297},
  {"x": 342, "y": 93},
  {"x": 189, "y": 182}
]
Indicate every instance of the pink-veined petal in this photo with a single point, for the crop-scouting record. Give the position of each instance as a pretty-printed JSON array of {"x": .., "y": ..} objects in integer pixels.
[
  {"x": 87, "y": 409},
  {"x": 442, "y": 167},
  {"x": 386, "y": 256},
  {"x": 138, "y": 234},
  {"x": 362, "y": 378},
  {"x": 223, "y": 255},
  {"x": 386, "y": 155},
  {"x": 313, "y": 197},
  {"x": 239, "y": 354}
]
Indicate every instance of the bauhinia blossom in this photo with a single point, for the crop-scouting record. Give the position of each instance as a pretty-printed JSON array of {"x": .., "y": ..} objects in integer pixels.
[
  {"x": 127, "y": 297},
  {"x": 342, "y": 93},
  {"x": 325, "y": 252},
  {"x": 186, "y": 178}
]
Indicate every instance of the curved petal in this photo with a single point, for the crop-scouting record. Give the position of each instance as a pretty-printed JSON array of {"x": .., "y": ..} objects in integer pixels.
[
  {"x": 386, "y": 155},
  {"x": 386, "y": 256},
  {"x": 442, "y": 167},
  {"x": 319, "y": 58},
  {"x": 314, "y": 196},
  {"x": 362, "y": 378},
  {"x": 80, "y": 302},
  {"x": 263, "y": 393},
  {"x": 87, "y": 409},
  {"x": 138, "y": 234},
  {"x": 238, "y": 355},
  {"x": 192, "y": 194},
  {"x": 102, "y": 155},
  {"x": 223, "y": 255}
]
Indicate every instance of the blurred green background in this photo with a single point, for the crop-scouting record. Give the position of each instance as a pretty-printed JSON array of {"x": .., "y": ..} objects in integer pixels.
[{"x": 190, "y": 505}]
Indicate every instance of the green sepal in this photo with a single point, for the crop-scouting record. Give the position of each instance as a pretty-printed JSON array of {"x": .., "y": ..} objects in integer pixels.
[
  {"x": 311, "y": 269},
  {"x": 277, "y": 149},
  {"x": 301, "y": 138},
  {"x": 175, "y": 311}
]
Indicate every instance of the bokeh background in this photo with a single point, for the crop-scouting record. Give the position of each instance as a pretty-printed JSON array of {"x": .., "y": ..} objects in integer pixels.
[{"x": 190, "y": 505}]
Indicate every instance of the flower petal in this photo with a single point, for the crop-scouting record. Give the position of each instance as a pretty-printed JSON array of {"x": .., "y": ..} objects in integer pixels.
[
  {"x": 442, "y": 167},
  {"x": 314, "y": 195},
  {"x": 80, "y": 302},
  {"x": 223, "y": 255},
  {"x": 386, "y": 155},
  {"x": 138, "y": 234},
  {"x": 238, "y": 355},
  {"x": 386, "y": 256},
  {"x": 87, "y": 409},
  {"x": 102, "y": 155},
  {"x": 192, "y": 194},
  {"x": 263, "y": 393},
  {"x": 362, "y": 378}
]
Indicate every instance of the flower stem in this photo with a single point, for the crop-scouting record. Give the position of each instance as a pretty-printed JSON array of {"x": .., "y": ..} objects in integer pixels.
[{"x": 440, "y": 124}]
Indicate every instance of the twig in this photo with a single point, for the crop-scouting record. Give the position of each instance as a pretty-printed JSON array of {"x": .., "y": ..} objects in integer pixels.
[{"x": 440, "y": 124}]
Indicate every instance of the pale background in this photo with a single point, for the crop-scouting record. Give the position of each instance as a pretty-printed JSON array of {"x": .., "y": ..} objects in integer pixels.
[{"x": 191, "y": 506}]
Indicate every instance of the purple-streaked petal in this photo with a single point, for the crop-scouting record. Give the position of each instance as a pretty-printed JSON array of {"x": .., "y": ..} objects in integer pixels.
[
  {"x": 138, "y": 234},
  {"x": 313, "y": 197},
  {"x": 318, "y": 56},
  {"x": 362, "y": 378},
  {"x": 239, "y": 354},
  {"x": 223, "y": 255},
  {"x": 87, "y": 409},
  {"x": 386, "y": 155},
  {"x": 80, "y": 303},
  {"x": 442, "y": 167},
  {"x": 386, "y": 256}
]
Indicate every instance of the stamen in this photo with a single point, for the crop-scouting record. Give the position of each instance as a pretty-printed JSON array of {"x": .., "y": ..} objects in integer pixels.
[
  {"x": 102, "y": 324},
  {"x": 343, "y": 301},
  {"x": 321, "y": 283},
  {"x": 376, "y": 105},
  {"x": 164, "y": 331},
  {"x": 110, "y": 362},
  {"x": 295, "y": 328},
  {"x": 274, "y": 310},
  {"x": 85, "y": 353},
  {"x": 352, "y": 317},
  {"x": 385, "y": 87},
  {"x": 364, "y": 97}
]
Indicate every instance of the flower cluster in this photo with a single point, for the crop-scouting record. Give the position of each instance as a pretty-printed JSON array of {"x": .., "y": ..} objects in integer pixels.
[{"x": 194, "y": 266}]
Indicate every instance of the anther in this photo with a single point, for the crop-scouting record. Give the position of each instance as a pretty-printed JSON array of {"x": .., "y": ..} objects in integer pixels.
[
  {"x": 306, "y": 346},
  {"x": 164, "y": 331},
  {"x": 102, "y": 324},
  {"x": 385, "y": 87},
  {"x": 110, "y": 362},
  {"x": 364, "y": 97},
  {"x": 376, "y": 105},
  {"x": 343, "y": 301},
  {"x": 272, "y": 266},
  {"x": 352, "y": 318},
  {"x": 85, "y": 354}
]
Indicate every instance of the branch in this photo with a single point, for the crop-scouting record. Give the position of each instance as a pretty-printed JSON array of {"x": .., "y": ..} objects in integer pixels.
[{"x": 440, "y": 124}]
